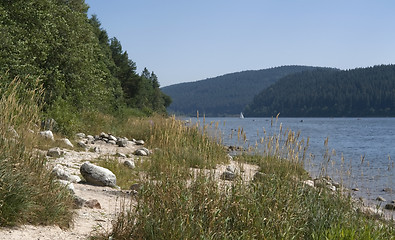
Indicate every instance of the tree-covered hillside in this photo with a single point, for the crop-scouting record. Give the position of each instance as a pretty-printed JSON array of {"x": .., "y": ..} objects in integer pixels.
[
  {"x": 80, "y": 67},
  {"x": 359, "y": 92},
  {"x": 224, "y": 95}
]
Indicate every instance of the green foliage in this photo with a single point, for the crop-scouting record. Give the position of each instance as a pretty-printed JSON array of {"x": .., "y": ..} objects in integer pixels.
[
  {"x": 224, "y": 95},
  {"x": 79, "y": 69},
  {"x": 362, "y": 92}
]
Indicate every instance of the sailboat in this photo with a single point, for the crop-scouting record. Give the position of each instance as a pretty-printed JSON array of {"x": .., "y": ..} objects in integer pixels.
[{"x": 241, "y": 115}]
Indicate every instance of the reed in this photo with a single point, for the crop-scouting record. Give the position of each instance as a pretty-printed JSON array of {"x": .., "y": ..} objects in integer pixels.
[
  {"x": 28, "y": 193},
  {"x": 276, "y": 205}
]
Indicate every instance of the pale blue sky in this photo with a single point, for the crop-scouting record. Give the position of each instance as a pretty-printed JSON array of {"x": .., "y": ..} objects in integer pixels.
[{"x": 184, "y": 41}]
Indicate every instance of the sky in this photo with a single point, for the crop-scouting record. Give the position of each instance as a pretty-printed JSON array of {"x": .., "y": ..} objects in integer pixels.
[{"x": 185, "y": 40}]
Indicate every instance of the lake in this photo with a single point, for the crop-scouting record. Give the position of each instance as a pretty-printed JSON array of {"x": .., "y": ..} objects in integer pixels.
[{"x": 366, "y": 144}]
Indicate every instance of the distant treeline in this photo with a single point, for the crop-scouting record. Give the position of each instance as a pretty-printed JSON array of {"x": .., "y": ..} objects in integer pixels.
[
  {"x": 225, "y": 95},
  {"x": 361, "y": 92},
  {"x": 79, "y": 66}
]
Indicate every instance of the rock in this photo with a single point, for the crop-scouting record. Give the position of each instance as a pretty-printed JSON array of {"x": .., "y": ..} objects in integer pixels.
[
  {"x": 67, "y": 142},
  {"x": 112, "y": 142},
  {"x": 98, "y": 175},
  {"x": 47, "y": 134},
  {"x": 390, "y": 206},
  {"x": 78, "y": 202},
  {"x": 231, "y": 168},
  {"x": 139, "y": 142},
  {"x": 380, "y": 199},
  {"x": 82, "y": 144},
  {"x": 355, "y": 189},
  {"x": 92, "y": 204},
  {"x": 129, "y": 164},
  {"x": 309, "y": 183},
  {"x": 96, "y": 149},
  {"x": 142, "y": 152},
  {"x": 112, "y": 138},
  {"x": 122, "y": 155},
  {"x": 393, "y": 201},
  {"x": 332, "y": 188},
  {"x": 80, "y": 135},
  {"x": 60, "y": 173},
  {"x": 387, "y": 190},
  {"x": 227, "y": 175},
  {"x": 68, "y": 185},
  {"x": 55, "y": 152},
  {"x": 122, "y": 142},
  {"x": 90, "y": 138},
  {"x": 104, "y": 135},
  {"x": 230, "y": 158}
]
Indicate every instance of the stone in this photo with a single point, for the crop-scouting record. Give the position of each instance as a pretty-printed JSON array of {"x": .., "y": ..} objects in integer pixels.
[
  {"x": 122, "y": 155},
  {"x": 142, "y": 152},
  {"x": 309, "y": 183},
  {"x": 90, "y": 138},
  {"x": 112, "y": 138},
  {"x": 129, "y": 164},
  {"x": 227, "y": 175},
  {"x": 93, "y": 204},
  {"x": 355, "y": 189},
  {"x": 60, "y": 173},
  {"x": 390, "y": 206},
  {"x": 67, "y": 142},
  {"x": 139, "y": 142},
  {"x": 104, "y": 135},
  {"x": 231, "y": 168},
  {"x": 55, "y": 152},
  {"x": 387, "y": 190},
  {"x": 68, "y": 185},
  {"x": 393, "y": 201},
  {"x": 82, "y": 144},
  {"x": 96, "y": 149},
  {"x": 380, "y": 199},
  {"x": 80, "y": 135},
  {"x": 47, "y": 134},
  {"x": 122, "y": 142},
  {"x": 332, "y": 188},
  {"x": 97, "y": 175},
  {"x": 112, "y": 142},
  {"x": 78, "y": 202}
]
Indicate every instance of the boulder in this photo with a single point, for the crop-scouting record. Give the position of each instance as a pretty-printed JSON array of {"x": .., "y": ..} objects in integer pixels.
[
  {"x": 104, "y": 135},
  {"x": 92, "y": 204},
  {"x": 55, "y": 152},
  {"x": 97, "y": 175},
  {"x": 122, "y": 155},
  {"x": 129, "y": 164},
  {"x": 142, "y": 152},
  {"x": 67, "y": 142},
  {"x": 139, "y": 142},
  {"x": 122, "y": 142},
  {"x": 82, "y": 144},
  {"x": 111, "y": 137},
  {"x": 47, "y": 134},
  {"x": 112, "y": 142},
  {"x": 80, "y": 135}
]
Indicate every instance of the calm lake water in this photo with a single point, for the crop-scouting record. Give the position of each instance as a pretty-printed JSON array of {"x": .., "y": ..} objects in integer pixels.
[{"x": 366, "y": 144}]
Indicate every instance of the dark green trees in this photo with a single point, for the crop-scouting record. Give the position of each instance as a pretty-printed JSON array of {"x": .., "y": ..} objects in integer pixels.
[
  {"x": 360, "y": 92},
  {"x": 80, "y": 68}
]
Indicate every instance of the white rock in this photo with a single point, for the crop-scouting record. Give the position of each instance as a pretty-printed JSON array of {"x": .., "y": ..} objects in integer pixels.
[
  {"x": 111, "y": 137},
  {"x": 122, "y": 155},
  {"x": 142, "y": 152},
  {"x": 129, "y": 164},
  {"x": 82, "y": 144},
  {"x": 139, "y": 142},
  {"x": 67, "y": 142},
  {"x": 309, "y": 183},
  {"x": 68, "y": 185},
  {"x": 47, "y": 134},
  {"x": 55, "y": 152},
  {"x": 80, "y": 135},
  {"x": 97, "y": 175}
]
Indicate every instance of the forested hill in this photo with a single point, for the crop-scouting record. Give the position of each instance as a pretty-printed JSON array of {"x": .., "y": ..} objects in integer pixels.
[
  {"x": 361, "y": 92},
  {"x": 224, "y": 95},
  {"x": 80, "y": 67}
]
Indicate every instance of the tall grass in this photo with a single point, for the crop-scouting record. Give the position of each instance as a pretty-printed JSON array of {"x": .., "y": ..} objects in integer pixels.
[
  {"x": 28, "y": 193},
  {"x": 277, "y": 205}
]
